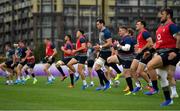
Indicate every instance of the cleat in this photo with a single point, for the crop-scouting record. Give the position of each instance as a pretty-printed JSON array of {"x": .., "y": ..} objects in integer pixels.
[
  {"x": 27, "y": 78},
  {"x": 129, "y": 93},
  {"x": 167, "y": 103},
  {"x": 126, "y": 89},
  {"x": 49, "y": 82},
  {"x": 99, "y": 88},
  {"x": 174, "y": 96},
  {"x": 118, "y": 76},
  {"x": 147, "y": 87},
  {"x": 76, "y": 78},
  {"x": 71, "y": 86},
  {"x": 107, "y": 86},
  {"x": 53, "y": 79},
  {"x": 34, "y": 81},
  {"x": 91, "y": 85},
  {"x": 84, "y": 87},
  {"x": 23, "y": 82},
  {"x": 151, "y": 92},
  {"x": 17, "y": 82},
  {"x": 137, "y": 89},
  {"x": 63, "y": 78}
]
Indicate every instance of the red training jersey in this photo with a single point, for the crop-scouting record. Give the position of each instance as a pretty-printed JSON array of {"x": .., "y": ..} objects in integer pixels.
[{"x": 164, "y": 39}]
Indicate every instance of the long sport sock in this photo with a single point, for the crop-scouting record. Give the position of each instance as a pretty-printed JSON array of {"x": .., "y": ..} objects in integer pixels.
[
  {"x": 60, "y": 70},
  {"x": 129, "y": 83},
  {"x": 72, "y": 78},
  {"x": 100, "y": 78}
]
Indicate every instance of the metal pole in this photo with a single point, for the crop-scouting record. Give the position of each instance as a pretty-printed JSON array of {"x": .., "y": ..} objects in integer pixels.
[
  {"x": 12, "y": 22},
  {"x": 52, "y": 20},
  {"x": 116, "y": 13},
  {"x": 138, "y": 9},
  {"x": 77, "y": 12},
  {"x": 165, "y": 3},
  {"x": 103, "y": 9},
  {"x": 41, "y": 21},
  {"x": 90, "y": 22}
]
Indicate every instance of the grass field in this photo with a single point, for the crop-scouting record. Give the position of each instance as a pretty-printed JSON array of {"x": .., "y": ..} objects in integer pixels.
[{"x": 58, "y": 97}]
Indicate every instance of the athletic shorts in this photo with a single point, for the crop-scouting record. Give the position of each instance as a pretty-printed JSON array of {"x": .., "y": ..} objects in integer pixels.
[
  {"x": 81, "y": 59},
  {"x": 147, "y": 59},
  {"x": 104, "y": 55},
  {"x": 31, "y": 65},
  {"x": 90, "y": 63},
  {"x": 139, "y": 56},
  {"x": 8, "y": 64},
  {"x": 66, "y": 60},
  {"x": 23, "y": 63},
  {"x": 125, "y": 63},
  {"x": 164, "y": 57},
  {"x": 46, "y": 60}
]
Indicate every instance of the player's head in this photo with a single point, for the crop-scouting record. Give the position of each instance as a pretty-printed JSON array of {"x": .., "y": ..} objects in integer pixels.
[
  {"x": 21, "y": 43},
  {"x": 89, "y": 44},
  {"x": 67, "y": 37},
  {"x": 130, "y": 31},
  {"x": 140, "y": 24},
  {"x": 166, "y": 14},
  {"x": 7, "y": 45},
  {"x": 123, "y": 31},
  {"x": 46, "y": 40},
  {"x": 79, "y": 33},
  {"x": 100, "y": 23}
]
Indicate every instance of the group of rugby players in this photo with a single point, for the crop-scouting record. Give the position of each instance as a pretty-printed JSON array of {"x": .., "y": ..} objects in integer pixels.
[{"x": 141, "y": 58}]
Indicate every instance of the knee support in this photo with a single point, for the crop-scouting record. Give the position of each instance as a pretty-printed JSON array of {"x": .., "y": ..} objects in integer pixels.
[
  {"x": 163, "y": 77},
  {"x": 100, "y": 61}
]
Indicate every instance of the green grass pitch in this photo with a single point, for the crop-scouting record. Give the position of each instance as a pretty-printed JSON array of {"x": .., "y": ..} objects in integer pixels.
[{"x": 58, "y": 96}]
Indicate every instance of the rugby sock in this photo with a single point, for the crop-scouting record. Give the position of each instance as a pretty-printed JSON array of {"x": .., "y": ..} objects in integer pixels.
[
  {"x": 129, "y": 83},
  {"x": 101, "y": 74},
  {"x": 154, "y": 84},
  {"x": 166, "y": 92},
  {"x": 100, "y": 78},
  {"x": 84, "y": 82},
  {"x": 72, "y": 78},
  {"x": 52, "y": 77},
  {"x": 173, "y": 90},
  {"x": 49, "y": 78},
  {"x": 138, "y": 84},
  {"x": 115, "y": 67},
  {"x": 26, "y": 72},
  {"x": 33, "y": 75},
  {"x": 60, "y": 70}
]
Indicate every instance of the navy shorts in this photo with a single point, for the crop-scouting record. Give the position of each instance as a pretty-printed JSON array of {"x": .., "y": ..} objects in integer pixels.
[
  {"x": 125, "y": 63},
  {"x": 90, "y": 63},
  {"x": 81, "y": 59},
  {"x": 46, "y": 60}
]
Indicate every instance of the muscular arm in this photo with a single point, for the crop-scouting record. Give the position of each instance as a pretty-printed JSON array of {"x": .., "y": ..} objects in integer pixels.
[
  {"x": 178, "y": 40},
  {"x": 108, "y": 43},
  {"x": 55, "y": 52},
  {"x": 83, "y": 46},
  {"x": 148, "y": 44}
]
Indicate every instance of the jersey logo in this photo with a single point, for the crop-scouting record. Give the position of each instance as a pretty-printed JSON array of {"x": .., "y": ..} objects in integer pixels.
[
  {"x": 159, "y": 36},
  {"x": 164, "y": 30}
]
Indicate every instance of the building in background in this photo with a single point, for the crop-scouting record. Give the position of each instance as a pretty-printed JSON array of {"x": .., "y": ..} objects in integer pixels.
[{"x": 34, "y": 20}]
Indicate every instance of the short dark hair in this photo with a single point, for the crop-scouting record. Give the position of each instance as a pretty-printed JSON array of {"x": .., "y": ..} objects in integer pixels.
[
  {"x": 8, "y": 44},
  {"x": 101, "y": 21},
  {"x": 47, "y": 38},
  {"x": 123, "y": 27},
  {"x": 142, "y": 22},
  {"x": 80, "y": 30},
  {"x": 168, "y": 11},
  {"x": 131, "y": 31},
  {"x": 22, "y": 41},
  {"x": 69, "y": 36}
]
